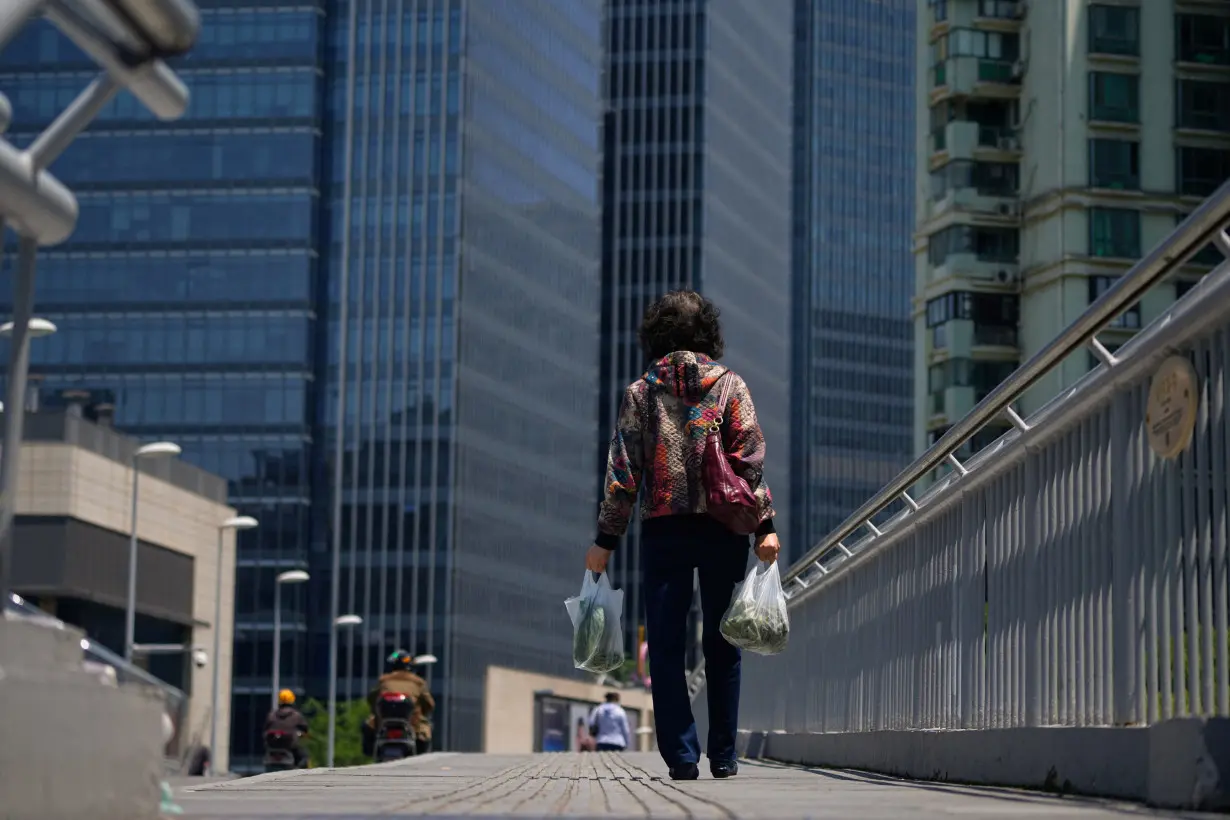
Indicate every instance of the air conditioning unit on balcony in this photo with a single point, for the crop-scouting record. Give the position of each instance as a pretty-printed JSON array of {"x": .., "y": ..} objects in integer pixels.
[
  {"x": 1018, "y": 69},
  {"x": 1021, "y": 10},
  {"x": 1005, "y": 277},
  {"x": 1009, "y": 143},
  {"x": 1009, "y": 209}
]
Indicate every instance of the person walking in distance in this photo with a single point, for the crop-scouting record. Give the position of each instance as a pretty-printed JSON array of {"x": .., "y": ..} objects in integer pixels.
[
  {"x": 609, "y": 725},
  {"x": 585, "y": 738},
  {"x": 685, "y": 406}
]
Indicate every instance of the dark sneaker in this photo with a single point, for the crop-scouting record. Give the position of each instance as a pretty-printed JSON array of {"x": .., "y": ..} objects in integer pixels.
[
  {"x": 688, "y": 771},
  {"x": 723, "y": 770}
]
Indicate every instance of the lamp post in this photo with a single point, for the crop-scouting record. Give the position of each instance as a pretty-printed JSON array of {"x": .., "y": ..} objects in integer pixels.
[
  {"x": 294, "y": 576},
  {"x": 340, "y": 621},
  {"x": 158, "y": 449},
  {"x": 19, "y": 365},
  {"x": 242, "y": 522}
]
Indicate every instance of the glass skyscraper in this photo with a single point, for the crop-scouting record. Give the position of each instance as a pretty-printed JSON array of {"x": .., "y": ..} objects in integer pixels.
[
  {"x": 853, "y": 263},
  {"x": 187, "y": 294},
  {"x": 697, "y": 194},
  {"x": 466, "y": 136},
  {"x": 427, "y": 172}
]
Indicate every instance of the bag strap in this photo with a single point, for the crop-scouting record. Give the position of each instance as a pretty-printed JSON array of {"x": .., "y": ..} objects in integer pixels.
[{"x": 723, "y": 397}]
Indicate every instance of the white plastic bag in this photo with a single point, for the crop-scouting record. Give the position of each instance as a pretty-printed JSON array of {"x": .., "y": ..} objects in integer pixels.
[
  {"x": 756, "y": 619},
  {"x": 597, "y": 625}
]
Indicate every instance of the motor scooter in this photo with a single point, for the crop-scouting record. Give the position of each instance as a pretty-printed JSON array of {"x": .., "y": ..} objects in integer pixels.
[
  {"x": 279, "y": 751},
  {"x": 394, "y": 735}
]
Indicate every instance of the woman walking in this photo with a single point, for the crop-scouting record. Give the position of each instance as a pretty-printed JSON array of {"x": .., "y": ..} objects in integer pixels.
[{"x": 657, "y": 451}]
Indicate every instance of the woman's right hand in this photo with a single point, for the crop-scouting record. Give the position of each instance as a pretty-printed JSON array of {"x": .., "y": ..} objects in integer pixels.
[{"x": 767, "y": 547}]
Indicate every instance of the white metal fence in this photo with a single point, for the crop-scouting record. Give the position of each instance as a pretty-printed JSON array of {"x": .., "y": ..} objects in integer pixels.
[{"x": 1066, "y": 575}]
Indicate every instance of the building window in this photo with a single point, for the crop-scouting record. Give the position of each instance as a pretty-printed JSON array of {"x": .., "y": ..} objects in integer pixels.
[
  {"x": 1114, "y": 164},
  {"x": 986, "y": 244},
  {"x": 1114, "y": 233},
  {"x": 983, "y": 376},
  {"x": 1202, "y": 38},
  {"x": 1203, "y": 105},
  {"x": 939, "y": 10},
  {"x": 1129, "y": 319},
  {"x": 1201, "y": 171},
  {"x": 999, "y": 9},
  {"x": 1114, "y": 30},
  {"x": 996, "y": 52},
  {"x": 1114, "y": 97},
  {"x": 987, "y": 178},
  {"x": 939, "y": 337},
  {"x": 968, "y": 42},
  {"x": 995, "y": 316},
  {"x": 1209, "y": 255}
]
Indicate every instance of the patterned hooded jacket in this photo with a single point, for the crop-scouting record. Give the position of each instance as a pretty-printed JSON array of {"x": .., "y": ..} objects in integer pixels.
[{"x": 659, "y": 440}]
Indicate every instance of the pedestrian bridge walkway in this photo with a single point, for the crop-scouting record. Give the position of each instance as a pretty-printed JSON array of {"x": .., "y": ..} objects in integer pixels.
[{"x": 608, "y": 785}]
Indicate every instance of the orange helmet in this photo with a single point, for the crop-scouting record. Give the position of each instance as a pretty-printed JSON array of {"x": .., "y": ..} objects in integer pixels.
[{"x": 286, "y": 697}]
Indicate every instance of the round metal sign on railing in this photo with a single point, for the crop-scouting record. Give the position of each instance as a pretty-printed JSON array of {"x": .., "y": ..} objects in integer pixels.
[{"x": 1170, "y": 414}]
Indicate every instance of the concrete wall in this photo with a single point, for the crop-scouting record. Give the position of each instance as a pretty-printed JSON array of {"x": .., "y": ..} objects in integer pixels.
[
  {"x": 60, "y": 479},
  {"x": 508, "y": 707}
]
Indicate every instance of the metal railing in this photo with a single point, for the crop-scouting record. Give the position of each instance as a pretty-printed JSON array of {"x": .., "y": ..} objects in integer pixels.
[
  {"x": 1065, "y": 575},
  {"x": 121, "y": 672}
]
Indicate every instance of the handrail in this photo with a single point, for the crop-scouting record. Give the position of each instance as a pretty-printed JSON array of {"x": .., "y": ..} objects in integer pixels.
[{"x": 1204, "y": 226}]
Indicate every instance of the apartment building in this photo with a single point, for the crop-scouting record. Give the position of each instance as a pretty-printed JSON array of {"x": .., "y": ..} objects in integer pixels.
[{"x": 1063, "y": 139}]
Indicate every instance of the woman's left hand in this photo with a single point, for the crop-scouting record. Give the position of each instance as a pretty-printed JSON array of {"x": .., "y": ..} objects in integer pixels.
[{"x": 596, "y": 559}]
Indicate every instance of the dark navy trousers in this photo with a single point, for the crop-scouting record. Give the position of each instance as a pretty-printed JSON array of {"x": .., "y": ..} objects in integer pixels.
[{"x": 672, "y": 548}]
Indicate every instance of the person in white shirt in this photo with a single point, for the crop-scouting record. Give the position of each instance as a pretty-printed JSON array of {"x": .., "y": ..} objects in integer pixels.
[{"x": 609, "y": 725}]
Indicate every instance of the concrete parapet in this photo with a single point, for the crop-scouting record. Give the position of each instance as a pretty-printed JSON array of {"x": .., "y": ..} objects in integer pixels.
[
  {"x": 1182, "y": 763},
  {"x": 72, "y": 746}
]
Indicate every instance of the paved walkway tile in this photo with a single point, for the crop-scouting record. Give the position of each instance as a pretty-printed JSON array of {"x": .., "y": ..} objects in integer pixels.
[{"x": 613, "y": 786}]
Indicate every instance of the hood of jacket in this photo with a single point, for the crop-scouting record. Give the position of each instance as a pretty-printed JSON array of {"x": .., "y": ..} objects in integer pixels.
[{"x": 688, "y": 376}]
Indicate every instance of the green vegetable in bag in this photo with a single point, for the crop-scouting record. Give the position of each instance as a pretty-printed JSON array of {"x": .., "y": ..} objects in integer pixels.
[
  {"x": 756, "y": 619},
  {"x": 598, "y": 637}
]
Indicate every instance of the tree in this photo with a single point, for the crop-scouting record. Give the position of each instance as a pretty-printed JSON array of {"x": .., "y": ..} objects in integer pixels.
[{"x": 348, "y": 745}]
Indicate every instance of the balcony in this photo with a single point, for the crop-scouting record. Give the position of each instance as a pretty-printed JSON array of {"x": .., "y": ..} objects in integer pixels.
[
  {"x": 977, "y": 77},
  {"x": 971, "y": 267},
  {"x": 976, "y": 187},
  {"x": 962, "y": 139}
]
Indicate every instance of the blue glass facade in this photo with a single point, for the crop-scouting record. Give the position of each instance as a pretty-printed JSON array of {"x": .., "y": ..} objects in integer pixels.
[
  {"x": 696, "y": 194},
  {"x": 186, "y": 294},
  {"x": 852, "y": 257},
  {"x": 430, "y": 166},
  {"x": 470, "y": 254}
]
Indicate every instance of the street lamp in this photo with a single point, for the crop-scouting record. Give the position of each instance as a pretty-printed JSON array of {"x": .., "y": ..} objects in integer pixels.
[
  {"x": 242, "y": 522},
  {"x": 37, "y": 328},
  {"x": 19, "y": 366},
  {"x": 294, "y": 576},
  {"x": 158, "y": 449},
  {"x": 340, "y": 620}
]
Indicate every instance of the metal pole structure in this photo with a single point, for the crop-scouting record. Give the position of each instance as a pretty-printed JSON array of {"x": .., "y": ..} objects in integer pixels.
[
  {"x": 339, "y": 450},
  {"x": 87, "y": 105},
  {"x": 217, "y": 659},
  {"x": 130, "y": 613},
  {"x": 15, "y": 403},
  {"x": 277, "y": 639},
  {"x": 14, "y": 15}
]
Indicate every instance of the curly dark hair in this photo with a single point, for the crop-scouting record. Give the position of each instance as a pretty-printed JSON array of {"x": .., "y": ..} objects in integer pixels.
[{"x": 682, "y": 320}]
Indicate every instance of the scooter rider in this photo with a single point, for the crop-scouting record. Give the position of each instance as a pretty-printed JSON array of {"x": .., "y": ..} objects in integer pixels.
[
  {"x": 286, "y": 718},
  {"x": 399, "y": 678}
]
